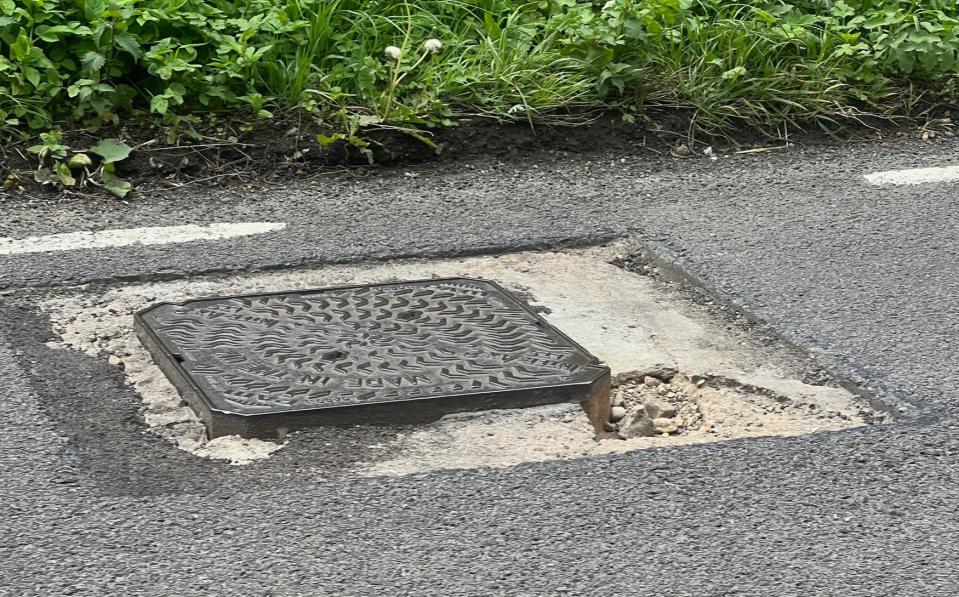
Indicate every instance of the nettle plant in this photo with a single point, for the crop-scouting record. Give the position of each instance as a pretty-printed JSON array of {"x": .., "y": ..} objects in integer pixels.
[
  {"x": 63, "y": 51},
  {"x": 90, "y": 60}
]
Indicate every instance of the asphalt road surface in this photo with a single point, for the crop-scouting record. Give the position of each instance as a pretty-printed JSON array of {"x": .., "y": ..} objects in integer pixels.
[{"x": 864, "y": 275}]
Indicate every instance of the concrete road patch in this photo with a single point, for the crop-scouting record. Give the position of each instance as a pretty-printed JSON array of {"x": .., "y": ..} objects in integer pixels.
[{"x": 726, "y": 383}]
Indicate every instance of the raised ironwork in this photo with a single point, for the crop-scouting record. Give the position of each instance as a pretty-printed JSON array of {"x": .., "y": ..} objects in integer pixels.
[{"x": 259, "y": 365}]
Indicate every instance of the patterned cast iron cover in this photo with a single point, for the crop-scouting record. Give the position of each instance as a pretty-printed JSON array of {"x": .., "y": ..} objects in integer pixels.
[{"x": 261, "y": 365}]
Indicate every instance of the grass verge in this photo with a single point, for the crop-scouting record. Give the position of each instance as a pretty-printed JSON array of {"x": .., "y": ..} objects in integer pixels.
[{"x": 355, "y": 64}]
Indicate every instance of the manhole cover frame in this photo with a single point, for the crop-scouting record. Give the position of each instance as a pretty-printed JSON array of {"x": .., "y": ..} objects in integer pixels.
[{"x": 592, "y": 391}]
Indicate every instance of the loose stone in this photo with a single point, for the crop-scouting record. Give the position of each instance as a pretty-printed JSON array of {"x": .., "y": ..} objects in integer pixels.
[
  {"x": 639, "y": 426},
  {"x": 658, "y": 408},
  {"x": 665, "y": 426},
  {"x": 616, "y": 413}
]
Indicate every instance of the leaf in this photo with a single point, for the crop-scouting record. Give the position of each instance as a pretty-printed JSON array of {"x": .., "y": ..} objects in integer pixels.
[
  {"x": 492, "y": 27},
  {"x": 176, "y": 91},
  {"x": 79, "y": 160},
  {"x": 7, "y": 6},
  {"x": 32, "y": 75},
  {"x": 53, "y": 34},
  {"x": 128, "y": 44},
  {"x": 44, "y": 32},
  {"x": 324, "y": 140},
  {"x": 762, "y": 15},
  {"x": 63, "y": 173},
  {"x": 368, "y": 119},
  {"x": 44, "y": 176},
  {"x": 94, "y": 9},
  {"x": 20, "y": 48},
  {"x": 159, "y": 104},
  {"x": 111, "y": 150},
  {"x": 93, "y": 61},
  {"x": 113, "y": 183},
  {"x": 733, "y": 73}
]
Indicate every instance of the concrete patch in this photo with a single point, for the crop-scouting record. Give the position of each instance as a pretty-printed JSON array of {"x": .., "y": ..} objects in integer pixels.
[
  {"x": 635, "y": 324},
  {"x": 125, "y": 237}
]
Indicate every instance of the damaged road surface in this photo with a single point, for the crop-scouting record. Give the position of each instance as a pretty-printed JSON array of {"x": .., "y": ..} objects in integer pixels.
[
  {"x": 681, "y": 374},
  {"x": 262, "y": 365},
  {"x": 780, "y": 329}
]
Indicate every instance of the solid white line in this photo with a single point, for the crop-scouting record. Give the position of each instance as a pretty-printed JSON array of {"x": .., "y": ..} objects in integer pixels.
[
  {"x": 914, "y": 176},
  {"x": 125, "y": 237}
]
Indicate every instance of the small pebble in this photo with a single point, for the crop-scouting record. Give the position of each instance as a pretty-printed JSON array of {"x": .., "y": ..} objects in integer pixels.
[
  {"x": 665, "y": 426},
  {"x": 616, "y": 413}
]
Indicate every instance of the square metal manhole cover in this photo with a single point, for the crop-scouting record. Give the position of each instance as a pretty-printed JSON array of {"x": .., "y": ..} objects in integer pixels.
[{"x": 261, "y": 365}]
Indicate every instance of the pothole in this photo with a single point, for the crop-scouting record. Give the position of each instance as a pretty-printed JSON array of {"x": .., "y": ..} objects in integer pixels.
[
  {"x": 683, "y": 376},
  {"x": 651, "y": 409},
  {"x": 673, "y": 404}
]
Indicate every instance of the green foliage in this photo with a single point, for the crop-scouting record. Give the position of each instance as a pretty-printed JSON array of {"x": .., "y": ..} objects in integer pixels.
[
  {"x": 111, "y": 150},
  {"x": 56, "y": 169},
  {"x": 763, "y": 62}
]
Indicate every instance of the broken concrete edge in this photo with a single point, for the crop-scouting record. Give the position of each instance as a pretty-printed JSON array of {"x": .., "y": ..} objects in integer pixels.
[
  {"x": 275, "y": 426},
  {"x": 461, "y": 440},
  {"x": 843, "y": 372}
]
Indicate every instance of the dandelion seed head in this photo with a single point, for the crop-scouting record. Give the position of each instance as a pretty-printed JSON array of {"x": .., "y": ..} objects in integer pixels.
[{"x": 393, "y": 53}]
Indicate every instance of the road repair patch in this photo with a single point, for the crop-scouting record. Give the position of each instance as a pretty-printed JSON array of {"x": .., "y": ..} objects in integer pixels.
[
  {"x": 262, "y": 365},
  {"x": 681, "y": 376}
]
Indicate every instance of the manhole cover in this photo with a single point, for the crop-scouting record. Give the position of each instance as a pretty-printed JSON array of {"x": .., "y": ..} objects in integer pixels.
[{"x": 260, "y": 365}]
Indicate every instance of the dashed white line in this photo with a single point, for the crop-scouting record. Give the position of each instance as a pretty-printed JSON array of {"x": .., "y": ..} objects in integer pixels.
[
  {"x": 914, "y": 176},
  {"x": 125, "y": 237}
]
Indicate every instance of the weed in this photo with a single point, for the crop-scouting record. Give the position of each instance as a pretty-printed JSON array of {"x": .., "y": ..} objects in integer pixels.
[{"x": 769, "y": 64}]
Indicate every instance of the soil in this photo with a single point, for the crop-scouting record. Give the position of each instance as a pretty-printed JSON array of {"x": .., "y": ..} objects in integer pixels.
[{"x": 286, "y": 148}]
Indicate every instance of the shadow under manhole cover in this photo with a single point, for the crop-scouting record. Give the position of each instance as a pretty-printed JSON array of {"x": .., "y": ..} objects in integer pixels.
[{"x": 262, "y": 365}]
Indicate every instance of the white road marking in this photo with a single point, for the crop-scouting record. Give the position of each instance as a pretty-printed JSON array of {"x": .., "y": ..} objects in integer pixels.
[
  {"x": 914, "y": 176},
  {"x": 125, "y": 237}
]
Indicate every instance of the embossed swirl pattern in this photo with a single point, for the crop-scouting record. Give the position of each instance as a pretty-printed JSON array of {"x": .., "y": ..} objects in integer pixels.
[{"x": 349, "y": 346}]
